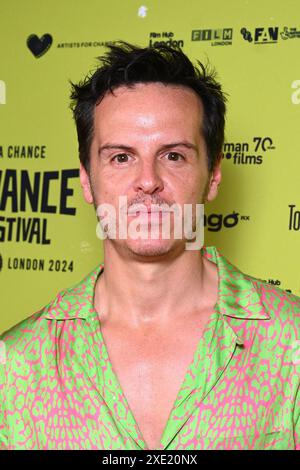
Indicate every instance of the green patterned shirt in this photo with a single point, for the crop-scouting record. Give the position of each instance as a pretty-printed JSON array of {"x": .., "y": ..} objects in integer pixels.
[{"x": 58, "y": 389}]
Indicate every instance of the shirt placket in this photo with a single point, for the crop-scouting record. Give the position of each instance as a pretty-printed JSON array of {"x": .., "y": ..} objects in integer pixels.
[
  {"x": 211, "y": 359},
  {"x": 110, "y": 389}
]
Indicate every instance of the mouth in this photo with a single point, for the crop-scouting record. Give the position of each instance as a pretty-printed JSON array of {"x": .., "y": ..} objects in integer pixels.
[{"x": 143, "y": 209}]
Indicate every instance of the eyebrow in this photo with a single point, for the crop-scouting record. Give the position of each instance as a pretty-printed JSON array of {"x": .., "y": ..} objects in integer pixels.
[{"x": 184, "y": 143}]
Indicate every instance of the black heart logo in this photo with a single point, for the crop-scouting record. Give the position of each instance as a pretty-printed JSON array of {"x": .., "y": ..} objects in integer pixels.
[{"x": 39, "y": 46}]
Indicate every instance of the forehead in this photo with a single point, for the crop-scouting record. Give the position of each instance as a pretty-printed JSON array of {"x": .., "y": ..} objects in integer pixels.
[{"x": 149, "y": 103}]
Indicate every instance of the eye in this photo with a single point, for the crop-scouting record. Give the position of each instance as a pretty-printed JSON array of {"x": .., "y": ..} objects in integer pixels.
[
  {"x": 121, "y": 158},
  {"x": 175, "y": 157}
]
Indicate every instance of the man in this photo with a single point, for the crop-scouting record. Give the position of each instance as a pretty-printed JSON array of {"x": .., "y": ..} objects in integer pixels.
[{"x": 160, "y": 347}]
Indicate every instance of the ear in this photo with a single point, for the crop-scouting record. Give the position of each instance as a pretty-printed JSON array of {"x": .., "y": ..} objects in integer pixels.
[
  {"x": 85, "y": 184},
  {"x": 215, "y": 180}
]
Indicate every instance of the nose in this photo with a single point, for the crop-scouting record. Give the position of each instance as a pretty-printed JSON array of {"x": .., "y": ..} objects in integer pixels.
[{"x": 148, "y": 178}]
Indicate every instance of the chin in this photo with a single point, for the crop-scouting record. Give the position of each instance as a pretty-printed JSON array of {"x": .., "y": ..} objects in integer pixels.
[{"x": 151, "y": 248}]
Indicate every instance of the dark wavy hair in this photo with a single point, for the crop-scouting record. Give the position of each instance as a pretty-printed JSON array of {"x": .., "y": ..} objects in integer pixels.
[{"x": 127, "y": 64}]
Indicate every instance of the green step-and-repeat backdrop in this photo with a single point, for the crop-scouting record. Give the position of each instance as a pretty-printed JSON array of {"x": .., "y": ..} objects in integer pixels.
[{"x": 48, "y": 235}]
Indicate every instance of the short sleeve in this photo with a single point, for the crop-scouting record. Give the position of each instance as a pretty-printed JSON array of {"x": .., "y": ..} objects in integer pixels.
[{"x": 3, "y": 425}]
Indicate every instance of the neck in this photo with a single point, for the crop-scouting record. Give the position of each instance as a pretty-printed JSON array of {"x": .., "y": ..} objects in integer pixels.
[{"x": 137, "y": 292}]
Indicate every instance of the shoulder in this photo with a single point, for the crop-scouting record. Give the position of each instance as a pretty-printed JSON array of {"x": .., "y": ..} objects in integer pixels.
[
  {"x": 35, "y": 336},
  {"x": 250, "y": 297},
  {"x": 276, "y": 299},
  {"x": 71, "y": 302},
  {"x": 282, "y": 307},
  {"x": 25, "y": 338}
]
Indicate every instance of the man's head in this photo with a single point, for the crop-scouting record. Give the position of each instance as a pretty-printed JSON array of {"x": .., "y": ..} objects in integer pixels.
[
  {"x": 151, "y": 128},
  {"x": 126, "y": 65}
]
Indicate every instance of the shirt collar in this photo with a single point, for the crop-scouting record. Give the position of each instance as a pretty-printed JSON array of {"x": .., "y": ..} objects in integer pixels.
[{"x": 239, "y": 294}]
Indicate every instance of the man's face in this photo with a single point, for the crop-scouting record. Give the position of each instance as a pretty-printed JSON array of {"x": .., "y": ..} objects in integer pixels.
[{"x": 148, "y": 146}]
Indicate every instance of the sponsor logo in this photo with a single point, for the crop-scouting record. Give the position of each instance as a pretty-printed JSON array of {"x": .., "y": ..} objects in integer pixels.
[
  {"x": 269, "y": 34},
  {"x": 294, "y": 218},
  {"x": 261, "y": 35},
  {"x": 216, "y": 37},
  {"x": 289, "y": 33},
  {"x": 248, "y": 153},
  {"x": 246, "y": 35},
  {"x": 83, "y": 44},
  {"x": 216, "y": 222},
  {"x": 167, "y": 38},
  {"x": 39, "y": 46}
]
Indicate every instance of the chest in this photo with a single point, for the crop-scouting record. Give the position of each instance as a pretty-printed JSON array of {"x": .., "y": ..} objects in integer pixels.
[{"x": 151, "y": 369}]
